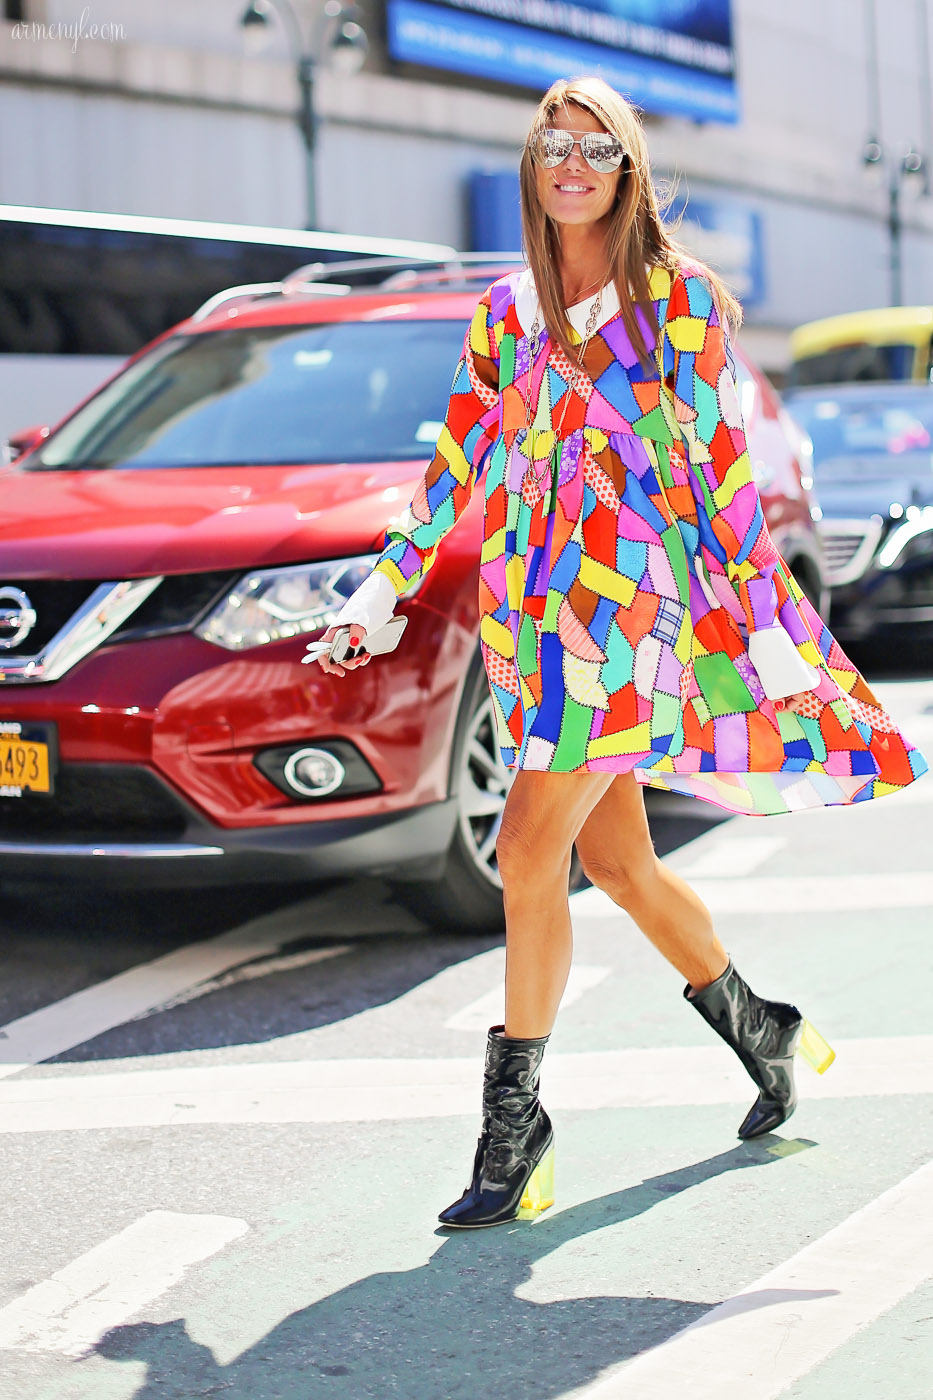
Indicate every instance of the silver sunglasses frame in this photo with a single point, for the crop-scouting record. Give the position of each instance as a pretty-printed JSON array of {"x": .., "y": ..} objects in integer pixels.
[{"x": 580, "y": 135}]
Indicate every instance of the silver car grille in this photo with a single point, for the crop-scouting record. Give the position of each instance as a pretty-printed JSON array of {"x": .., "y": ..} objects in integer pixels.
[
  {"x": 107, "y": 608},
  {"x": 849, "y": 547}
]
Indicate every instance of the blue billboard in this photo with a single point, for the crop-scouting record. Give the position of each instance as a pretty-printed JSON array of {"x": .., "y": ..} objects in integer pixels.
[{"x": 674, "y": 57}]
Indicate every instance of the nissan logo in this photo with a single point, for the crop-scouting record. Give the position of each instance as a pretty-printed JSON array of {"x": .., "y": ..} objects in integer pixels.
[{"x": 16, "y": 622}]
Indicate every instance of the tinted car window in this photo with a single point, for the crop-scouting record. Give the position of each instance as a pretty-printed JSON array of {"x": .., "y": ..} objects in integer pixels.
[
  {"x": 343, "y": 392},
  {"x": 99, "y": 291},
  {"x": 851, "y": 363},
  {"x": 878, "y": 426}
]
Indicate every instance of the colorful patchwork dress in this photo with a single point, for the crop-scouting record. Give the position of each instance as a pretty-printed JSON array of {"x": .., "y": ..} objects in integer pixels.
[{"x": 635, "y": 614}]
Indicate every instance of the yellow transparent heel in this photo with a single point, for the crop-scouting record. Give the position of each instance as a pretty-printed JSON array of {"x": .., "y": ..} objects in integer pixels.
[
  {"x": 539, "y": 1192},
  {"x": 818, "y": 1054}
]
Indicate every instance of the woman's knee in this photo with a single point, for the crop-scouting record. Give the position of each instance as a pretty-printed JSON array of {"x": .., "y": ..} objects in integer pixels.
[
  {"x": 522, "y": 846},
  {"x": 625, "y": 878},
  {"x": 544, "y": 812},
  {"x": 534, "y": 839},
  {"x": 515, "y": 839}
]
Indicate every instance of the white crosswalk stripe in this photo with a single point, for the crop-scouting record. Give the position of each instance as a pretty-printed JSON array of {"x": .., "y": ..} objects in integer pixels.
[
  {"x": 488, "y": 1010},
  {"x": 251, "y": 972},
  {"x": 149, "y": 987},
  {"x": 756, "y": 1345},
  {"x": 366, "y": 1090},
  {"x": 781, "y": 894},
  {"x": 729, "y": 856},
  {"x": 71, "y": 1310}
]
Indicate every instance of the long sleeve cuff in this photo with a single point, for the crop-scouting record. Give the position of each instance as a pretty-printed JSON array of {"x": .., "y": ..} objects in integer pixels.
[
  {"x": 781, "y": 669},
  {"x": 371, "y": 605}
]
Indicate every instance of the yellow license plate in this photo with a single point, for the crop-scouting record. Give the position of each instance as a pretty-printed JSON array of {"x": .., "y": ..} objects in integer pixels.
[{"x": 24, "y": 766}]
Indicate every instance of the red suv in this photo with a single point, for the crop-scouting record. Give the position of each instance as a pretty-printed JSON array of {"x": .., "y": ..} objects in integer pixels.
[{"x": 168, "y": 550}]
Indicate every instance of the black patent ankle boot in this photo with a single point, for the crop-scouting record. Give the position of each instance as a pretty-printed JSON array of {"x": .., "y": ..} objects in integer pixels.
[
  {"x": 765, "y": 1035},
  {"x": 513, "y": 1170}
]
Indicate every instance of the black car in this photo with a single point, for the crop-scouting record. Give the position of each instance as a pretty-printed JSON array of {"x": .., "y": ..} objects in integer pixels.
[{"x": 873, "y": 465}]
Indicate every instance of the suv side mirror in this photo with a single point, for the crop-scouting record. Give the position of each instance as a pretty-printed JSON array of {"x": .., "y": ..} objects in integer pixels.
[{"x": 19, "y": 444}]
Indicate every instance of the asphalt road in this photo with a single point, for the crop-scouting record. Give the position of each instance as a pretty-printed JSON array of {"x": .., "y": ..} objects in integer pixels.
[{"x": 228, "y": 1121}]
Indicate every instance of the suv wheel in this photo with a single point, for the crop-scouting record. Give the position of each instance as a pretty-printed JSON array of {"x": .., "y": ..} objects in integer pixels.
[{"x": 468, "y": 896}]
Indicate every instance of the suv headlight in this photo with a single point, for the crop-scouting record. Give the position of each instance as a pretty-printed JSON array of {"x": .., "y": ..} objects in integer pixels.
[
  {"x": 269, "y": 604},
  {"x": 910, "y": 538}
]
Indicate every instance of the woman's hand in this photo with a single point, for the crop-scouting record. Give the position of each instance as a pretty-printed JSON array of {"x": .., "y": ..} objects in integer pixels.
[
  {"x": 334, "y": 668},
  {"x": 791, "y": 702}
]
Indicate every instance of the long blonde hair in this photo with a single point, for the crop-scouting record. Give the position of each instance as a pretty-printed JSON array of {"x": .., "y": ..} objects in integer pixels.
[{"x": 636, "y": 238}]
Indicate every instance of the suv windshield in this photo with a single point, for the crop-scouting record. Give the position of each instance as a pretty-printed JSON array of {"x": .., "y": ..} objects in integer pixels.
[
  {"x": 873, "y": 426},
  {"x": 348, "y": 391}
]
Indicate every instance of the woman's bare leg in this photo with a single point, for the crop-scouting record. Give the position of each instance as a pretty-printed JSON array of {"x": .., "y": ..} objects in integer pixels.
[
  {"x": 615, "y": 848},
  {"x": 543, "y": 814}
]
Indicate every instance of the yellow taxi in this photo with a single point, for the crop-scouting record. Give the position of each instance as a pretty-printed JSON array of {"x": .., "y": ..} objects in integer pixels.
[{"x": 894, "y": 342}]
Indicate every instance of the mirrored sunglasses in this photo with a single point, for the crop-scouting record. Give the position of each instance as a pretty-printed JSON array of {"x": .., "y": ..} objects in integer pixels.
[{"x": 601, "y": 151}]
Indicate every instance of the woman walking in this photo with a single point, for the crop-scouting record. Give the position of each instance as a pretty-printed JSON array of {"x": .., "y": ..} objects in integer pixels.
[{"x": 637, "y": 623}]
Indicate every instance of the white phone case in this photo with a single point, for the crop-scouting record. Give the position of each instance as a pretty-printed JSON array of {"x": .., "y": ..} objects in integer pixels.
[{"x": 378, "y": 643}]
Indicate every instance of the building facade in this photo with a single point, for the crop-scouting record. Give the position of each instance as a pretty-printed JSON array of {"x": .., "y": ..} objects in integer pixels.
[{"x": 158, "y": 107}]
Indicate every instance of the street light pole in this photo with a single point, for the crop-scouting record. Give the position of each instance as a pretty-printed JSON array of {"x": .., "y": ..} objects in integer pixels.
[
  {"x": 308, "y": 122},
  {"x": 910, "y": 167},
  {"x": 895, "y": 230},
  {"x": 347, "y": 40}
]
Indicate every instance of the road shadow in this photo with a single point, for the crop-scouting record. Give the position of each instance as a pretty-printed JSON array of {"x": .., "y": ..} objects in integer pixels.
[
  {"x": 368, "y": 972},
  {"x": 286, "y": 983},
  {"x": 385, "y": 952},
  {"x": 453, "y": 1327}
]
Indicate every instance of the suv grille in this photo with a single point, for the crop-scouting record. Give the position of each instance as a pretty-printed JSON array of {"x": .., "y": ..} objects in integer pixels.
[
  {"x": 848, "y": 547},
  {"x": 839, "y": 549},
  {"x": 178, "y": 604},
  {"x": 55, "y": 601},
  {"x": 97, "y": 802}
]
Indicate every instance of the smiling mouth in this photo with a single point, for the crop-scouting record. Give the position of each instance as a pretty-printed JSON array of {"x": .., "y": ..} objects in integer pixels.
[{"x": 573, "y": 188}]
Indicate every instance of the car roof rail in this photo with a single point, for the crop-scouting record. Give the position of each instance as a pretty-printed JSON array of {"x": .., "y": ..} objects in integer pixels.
[
  {"x": 358, "y": 272},
  {"x": 390, "y": 273},
  {"x": 252, "y": 291},
  {"x": 462, "y": 272},
  {"x": 449, "y": 278}
]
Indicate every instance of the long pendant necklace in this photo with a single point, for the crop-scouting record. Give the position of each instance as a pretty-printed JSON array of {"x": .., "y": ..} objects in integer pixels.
[{"x": 534, "y": 345}]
